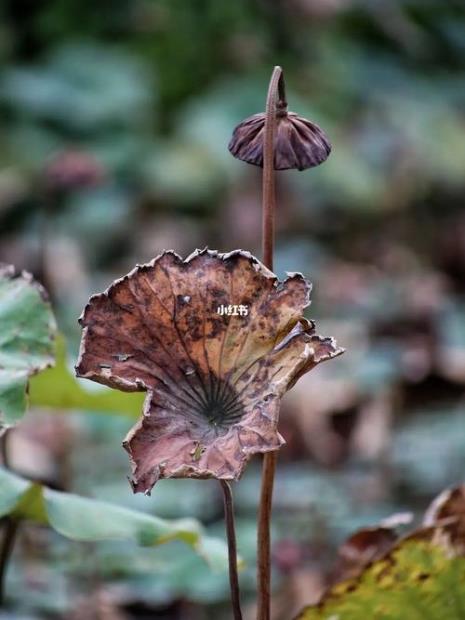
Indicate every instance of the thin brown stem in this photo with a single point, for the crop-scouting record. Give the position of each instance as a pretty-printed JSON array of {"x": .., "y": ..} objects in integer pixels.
[
  {"x": 268, "y": 185},
  {"x": 232, "y": 549},
  {"x": 276, "y": 93},
  {"x": 10, "y": 526},
  {"x": 4, "y": 448},
  {"x": 264, "y": 539},
  {"x": 10, "y": 530}
]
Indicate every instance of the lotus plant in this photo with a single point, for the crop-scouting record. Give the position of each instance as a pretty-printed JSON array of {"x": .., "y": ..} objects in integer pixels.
[{"x": 215, "y": 340}]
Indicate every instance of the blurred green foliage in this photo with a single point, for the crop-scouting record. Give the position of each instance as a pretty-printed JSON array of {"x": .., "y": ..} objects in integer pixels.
[
  {"x": 140, "y": 80},
  {"x": 27, "y": 329},
  {"x": 89, "y": 520},
  {"x": 58, "y": 389}
]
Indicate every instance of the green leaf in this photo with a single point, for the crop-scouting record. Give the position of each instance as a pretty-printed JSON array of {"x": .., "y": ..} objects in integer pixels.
[
  {"x": 85, "y": 519},
  {"x": 12, "y": 489},
  {"x": 27, "y": 328},
  {"x": 417, "y": 581},
  {"x": 81, "y": 518},
  {"x": 213, "y": 551},
  {"x": 31, "y": 505},
  {"x": 58, "y": 389},
  {"x": 418, "y": 577}
]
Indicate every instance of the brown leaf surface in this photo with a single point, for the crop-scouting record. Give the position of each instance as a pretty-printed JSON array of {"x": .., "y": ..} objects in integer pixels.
[
  {"x": 449, "y": 508},
  {"x": 359, "y": 550},
  {"x": 214, "y": 382}
]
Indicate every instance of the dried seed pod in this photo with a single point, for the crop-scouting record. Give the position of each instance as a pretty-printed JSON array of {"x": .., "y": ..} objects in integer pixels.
[{"x": 299, "y": 143}]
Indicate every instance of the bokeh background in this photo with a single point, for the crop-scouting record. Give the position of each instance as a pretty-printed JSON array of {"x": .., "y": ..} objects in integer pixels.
[{"x": 115, "y": 120}]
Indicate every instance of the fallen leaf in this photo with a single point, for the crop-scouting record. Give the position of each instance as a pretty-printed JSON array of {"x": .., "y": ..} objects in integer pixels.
[{"x": 419, "y": 575}]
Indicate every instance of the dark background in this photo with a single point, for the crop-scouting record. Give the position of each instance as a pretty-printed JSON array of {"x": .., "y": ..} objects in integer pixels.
[{"x": 115, "y": 119}]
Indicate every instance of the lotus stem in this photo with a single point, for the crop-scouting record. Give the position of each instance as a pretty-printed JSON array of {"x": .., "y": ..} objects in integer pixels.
[
  {"x": 264, "y": 540},
  {"x": 4, "y": 448},
  {"x": 276, "y": 92},
  {"x": 10, "y": 526},
  {"x": 232, "y": 549},
  {"x": 10, "y": 530}
]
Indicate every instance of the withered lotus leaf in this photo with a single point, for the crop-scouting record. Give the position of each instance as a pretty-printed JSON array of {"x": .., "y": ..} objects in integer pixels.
[
  {"x": 215, "y": 340},
  {"x": 298, "y": 144}
]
